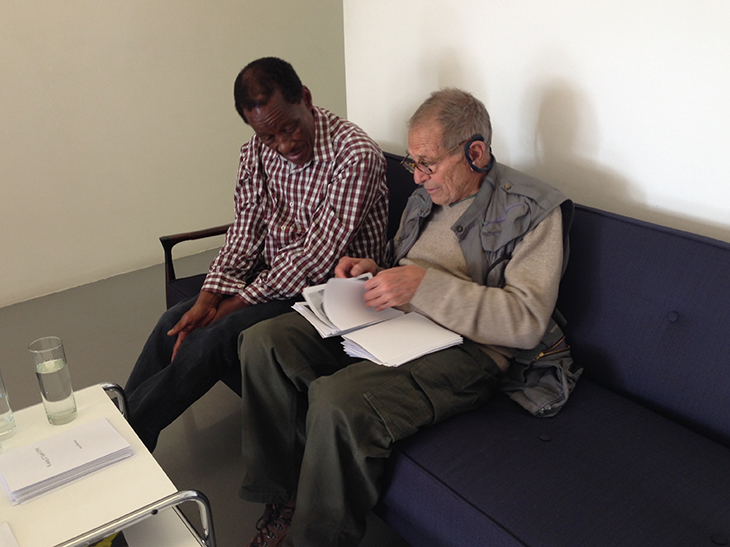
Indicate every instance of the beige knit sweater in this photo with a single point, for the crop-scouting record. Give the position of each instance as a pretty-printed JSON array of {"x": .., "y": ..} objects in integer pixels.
[{"x": 515, "y": 316}]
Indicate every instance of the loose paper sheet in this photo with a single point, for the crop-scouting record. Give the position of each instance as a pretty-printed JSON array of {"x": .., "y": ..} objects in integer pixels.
[
  {"x": 7, "y": 539},
  {"x": 399, "y": 340}
]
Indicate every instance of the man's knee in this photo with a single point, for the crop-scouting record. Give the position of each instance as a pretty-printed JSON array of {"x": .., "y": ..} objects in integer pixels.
[
  {"x": 171, "y": 317},
  {"x": 267, "y": 335},
  {"x": 331, "y": 399},
  {"x": 262, "y": 336},
  {"x": 341, "y": 415}
]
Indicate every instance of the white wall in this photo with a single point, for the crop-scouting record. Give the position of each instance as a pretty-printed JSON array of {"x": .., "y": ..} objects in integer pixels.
[
  {"x": 117, "y": 124},
  {"x": 623, "y": 104}
]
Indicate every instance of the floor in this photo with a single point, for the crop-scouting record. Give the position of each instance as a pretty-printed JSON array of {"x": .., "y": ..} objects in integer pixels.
[{"x": 103, "y": 326}]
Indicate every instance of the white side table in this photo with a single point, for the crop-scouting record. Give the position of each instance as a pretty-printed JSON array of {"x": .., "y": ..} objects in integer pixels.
[{"x": 131, "y": 488}]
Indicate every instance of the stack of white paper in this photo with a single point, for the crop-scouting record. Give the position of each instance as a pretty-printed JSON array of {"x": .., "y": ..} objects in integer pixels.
[
  {"x": 399, "y": 340},
  {"x": 388, "y": 337},
  {"x": 34, "y": 469},
  {"x": 337, "y": 307}
]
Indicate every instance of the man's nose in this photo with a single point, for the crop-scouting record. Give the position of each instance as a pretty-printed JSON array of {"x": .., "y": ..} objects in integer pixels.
[
  {"x": 419, "y": 177},
  {"x": 284, "y": 144}
]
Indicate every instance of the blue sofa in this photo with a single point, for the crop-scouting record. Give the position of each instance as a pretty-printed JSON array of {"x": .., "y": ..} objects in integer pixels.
[{"x": 640, "y": 454}]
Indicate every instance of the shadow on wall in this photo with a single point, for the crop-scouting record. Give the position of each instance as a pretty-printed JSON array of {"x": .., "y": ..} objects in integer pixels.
[
  {"x": 434, "y": 72},
  {"x": 566, "y": 141}
]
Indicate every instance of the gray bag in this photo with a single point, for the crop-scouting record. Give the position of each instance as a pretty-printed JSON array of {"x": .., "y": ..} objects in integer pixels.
[{"x": 542, "y": 378}]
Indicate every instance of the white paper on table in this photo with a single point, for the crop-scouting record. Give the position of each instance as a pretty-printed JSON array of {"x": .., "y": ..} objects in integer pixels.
[{"x": 34, "y": 469}]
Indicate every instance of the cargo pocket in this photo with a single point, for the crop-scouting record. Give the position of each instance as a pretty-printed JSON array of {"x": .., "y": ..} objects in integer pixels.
[
  {"x": 435, "y": 387},
  {"x": 402, "y": 406},
  {"x": 463, "y": 385}
]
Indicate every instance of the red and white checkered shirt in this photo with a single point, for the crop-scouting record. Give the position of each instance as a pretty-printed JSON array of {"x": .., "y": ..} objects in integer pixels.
[{"x": 293, "y": 223}]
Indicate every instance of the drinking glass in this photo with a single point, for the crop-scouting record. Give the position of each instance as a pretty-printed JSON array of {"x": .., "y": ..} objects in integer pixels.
[
  {"x": 54, "y": 379},
  {"x": 7, "y": 422}
]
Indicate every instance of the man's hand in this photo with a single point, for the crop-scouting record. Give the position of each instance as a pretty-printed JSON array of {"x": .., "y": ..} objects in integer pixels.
[
  {"x": 349, "y": 266},
  {"x": 229, "y": 305},
  {"x": 393, "y": 287},
  {"x": 201, "y": 314}
]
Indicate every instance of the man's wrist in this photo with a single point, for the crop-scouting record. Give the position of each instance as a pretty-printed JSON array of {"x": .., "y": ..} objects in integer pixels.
[
  {"x": 242, "y": 300},
  {"x": 209, "y": 298}
]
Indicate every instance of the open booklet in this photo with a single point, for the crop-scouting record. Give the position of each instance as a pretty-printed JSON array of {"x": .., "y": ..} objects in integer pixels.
[
  {"x": 389, "y": 337},
  {"x": 337, "y": 307}
]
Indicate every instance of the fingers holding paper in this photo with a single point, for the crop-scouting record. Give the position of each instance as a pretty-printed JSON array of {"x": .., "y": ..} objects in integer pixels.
[
  {"x": 393, "y": 287},
  {"x": 349, "y": 266}
]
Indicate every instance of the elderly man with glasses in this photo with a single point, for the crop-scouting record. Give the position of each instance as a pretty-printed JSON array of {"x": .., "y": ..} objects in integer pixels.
[{"x": 480, "y": 250}]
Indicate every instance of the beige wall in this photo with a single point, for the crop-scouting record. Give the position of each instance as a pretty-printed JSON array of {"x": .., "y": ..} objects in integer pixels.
[
  {"x": 622, "y": 104},
  {"x": 117, "y": 124}
]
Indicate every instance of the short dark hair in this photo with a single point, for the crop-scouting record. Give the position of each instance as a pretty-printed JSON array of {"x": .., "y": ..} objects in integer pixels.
[{"x": 260, "y": 79}]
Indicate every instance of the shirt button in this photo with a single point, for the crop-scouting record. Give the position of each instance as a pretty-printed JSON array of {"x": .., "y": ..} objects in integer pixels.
[{"x": 291, "y": 204}]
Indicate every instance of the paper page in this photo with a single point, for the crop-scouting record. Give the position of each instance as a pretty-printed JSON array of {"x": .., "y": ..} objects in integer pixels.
[
  {"x": 7, "y": 539},
  {"x": 345, "y": 306},
  {"x": 401, "y": 339},
  {"x": 325, "y": 330},
  {"x": 315, "y": 299}
]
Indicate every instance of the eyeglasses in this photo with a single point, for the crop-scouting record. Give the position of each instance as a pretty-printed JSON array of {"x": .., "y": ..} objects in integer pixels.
[{"x": 425, "y": 166}]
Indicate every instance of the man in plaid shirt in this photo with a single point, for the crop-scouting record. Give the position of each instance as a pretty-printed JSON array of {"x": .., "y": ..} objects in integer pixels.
[{"x": 311, "y": 188}]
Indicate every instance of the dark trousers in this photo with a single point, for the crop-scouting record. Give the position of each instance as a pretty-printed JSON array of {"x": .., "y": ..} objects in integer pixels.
[
  {"x": 319, "y": 425},
  {"x": 158, "y": 390}
]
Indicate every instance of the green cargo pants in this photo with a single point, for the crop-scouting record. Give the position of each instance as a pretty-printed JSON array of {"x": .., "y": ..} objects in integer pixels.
[{"x": 318, "y": 425}]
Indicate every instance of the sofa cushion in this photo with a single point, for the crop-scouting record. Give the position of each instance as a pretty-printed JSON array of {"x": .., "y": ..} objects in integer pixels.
[
  {"x": 604, "y": 472},
  {"x": 647, "y": 310}
]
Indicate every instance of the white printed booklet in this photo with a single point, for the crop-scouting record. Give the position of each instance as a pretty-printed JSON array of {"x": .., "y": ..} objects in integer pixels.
[{"x": 36, "y": 468}]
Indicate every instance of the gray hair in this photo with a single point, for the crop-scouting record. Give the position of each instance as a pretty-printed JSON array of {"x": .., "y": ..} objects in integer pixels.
[{"x": 460, "y": 114}]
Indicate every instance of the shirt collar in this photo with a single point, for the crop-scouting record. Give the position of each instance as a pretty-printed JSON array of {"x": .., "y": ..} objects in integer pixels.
[{"x": 323, "y": 149}]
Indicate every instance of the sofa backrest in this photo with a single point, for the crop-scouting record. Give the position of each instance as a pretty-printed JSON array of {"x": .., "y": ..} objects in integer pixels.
[
  {"x": 400, "y": 185},
  {"x": 648, "y": 312}
]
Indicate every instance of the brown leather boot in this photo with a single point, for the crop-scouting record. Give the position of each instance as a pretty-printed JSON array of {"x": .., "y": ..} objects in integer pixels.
[{"x": 273, "y": 525}]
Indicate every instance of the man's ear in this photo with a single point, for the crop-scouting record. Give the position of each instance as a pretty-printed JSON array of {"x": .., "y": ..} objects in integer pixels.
[
  {"x": 307, "y": 97},
  {"x": 478, "y": 154}
]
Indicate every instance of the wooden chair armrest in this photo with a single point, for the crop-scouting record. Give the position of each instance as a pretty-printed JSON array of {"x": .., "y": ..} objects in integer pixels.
[{"x": 168, "y": 242}]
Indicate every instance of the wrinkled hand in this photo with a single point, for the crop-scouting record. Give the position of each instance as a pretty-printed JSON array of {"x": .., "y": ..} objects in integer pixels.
[
  {"x": 201, "y": 314},
  {"x": 349, "y": 266},
  {"x": 393, "y": 287}
]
